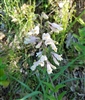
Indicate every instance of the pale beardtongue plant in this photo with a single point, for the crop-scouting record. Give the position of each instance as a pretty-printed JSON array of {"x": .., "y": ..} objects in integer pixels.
[{"x": 33, "y": 37}]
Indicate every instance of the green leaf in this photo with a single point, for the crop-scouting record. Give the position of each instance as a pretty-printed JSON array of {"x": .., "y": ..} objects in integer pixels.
[
  {"x": 60, "y": 97},
  {"x": 0, "y": 61},
  {"x": 2, "y": 66},
  {"x": 50, "y": 97},
  {"x": 82, "y": 32},
  {"x": 58, "y": 87},
  {"x": 81, "y": 48},
  {"x": 30, "y": 95},
  {"x": 76, "y": 36},
  {"x": 3, "y": 77},
  {"x": 27, "y": 87},
  {"x": 77, "y": 47},
  {"x": 49, "y": 85},
  {"x": 1, "y": 72},
  {"x": 4, "y": 83}
]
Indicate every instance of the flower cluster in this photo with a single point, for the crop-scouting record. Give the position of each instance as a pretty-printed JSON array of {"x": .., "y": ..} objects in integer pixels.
[
  {"x": 43, "y": 61},
  {"x": 30, "y": 38},
  {"x": 44, "y": 40}
]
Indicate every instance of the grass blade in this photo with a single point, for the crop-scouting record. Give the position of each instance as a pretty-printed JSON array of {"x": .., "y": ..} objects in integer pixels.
[
  {"x": 27, "y": 87},
  {"x": 30, "y": 95}
]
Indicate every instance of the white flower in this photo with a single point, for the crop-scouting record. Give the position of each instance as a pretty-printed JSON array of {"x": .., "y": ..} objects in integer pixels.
[
  {"x": 55, "y": 60},
  {"x": 43, "y": 58},
  {"x": 34, "y": 31},
  {"x": 50, "y": 67},
  {"x": 45, "y": 36},
  {"x": 57, "y": 56},
  {"x": 39, "y": 54},
  {"x": 55, "y": 27},
  {"x": 43, "y": 15},
  {"x": 49, "y": 41},
  {"x": 53, "y": 47},
  {"x": 39, "y": 44},
  {"x": 40, "y": 62},
  {"x": 31, "y": 39},
  {"x": 35, "y": 64}
]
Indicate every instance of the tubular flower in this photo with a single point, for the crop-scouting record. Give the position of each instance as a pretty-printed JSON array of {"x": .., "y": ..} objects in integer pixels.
[
  {"x": 49, "y": 41},
  {"x": 34, "y": 31},
  {"x": 42, "y": 59},
  {"x": 56, "y": 57},
  {"x": 31, "y": 39},
  {"x": 40, "y": 62},
  {"x": 45, "y": 36},
  {"x": 39, "y": 44},
  {"x": 35, "y": 64},
  {"x": 55, "y": 27},
  {"x": 39, "y": 54},
  {"x": 50, "y": 67}
]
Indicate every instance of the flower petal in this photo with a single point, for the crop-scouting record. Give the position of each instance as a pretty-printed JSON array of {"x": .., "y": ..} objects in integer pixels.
[
  {"x": 39, "y": 54},
  {"x": 56, "y": 62},
  {"x": 35, "y": 30},
  {"x": 54, "y": 47},
  {"x": 57, "y": 56},
  {"x": 55, "y": 26},
  {"x": 52, "y": 66},
  {"x": 39, "y": 44},
  {"x": 35, "y": 64},
  {"x": 49, "y": 69},
  {"x": 31, "y": 39},
  {"x": 45, "y": 36},
  {"x": 41, "y": 63}
]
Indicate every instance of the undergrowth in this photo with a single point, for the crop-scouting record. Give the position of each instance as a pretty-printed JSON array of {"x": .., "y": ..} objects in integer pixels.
[{"x": 41, "y": 58}]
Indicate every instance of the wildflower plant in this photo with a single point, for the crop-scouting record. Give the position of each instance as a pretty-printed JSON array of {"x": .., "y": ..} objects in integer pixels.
[
  {"x": 32, "y": 48},
  {"x": 44, "y": 44}
]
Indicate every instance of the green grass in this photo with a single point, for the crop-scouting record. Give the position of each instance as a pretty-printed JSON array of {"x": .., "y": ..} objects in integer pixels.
[{"x": 16, "y": 58}]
